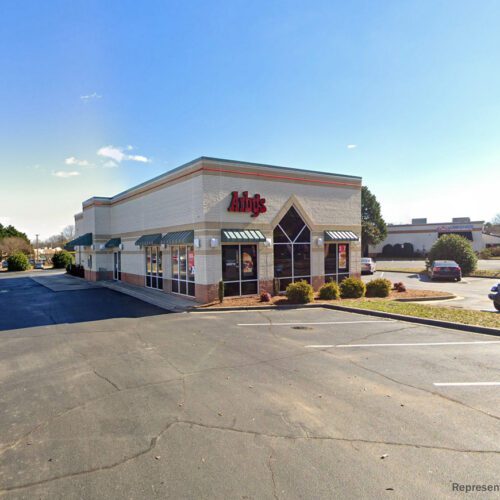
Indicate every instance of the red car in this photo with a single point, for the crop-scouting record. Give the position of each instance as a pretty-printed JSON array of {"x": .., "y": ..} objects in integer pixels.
[{"x": 445, "y": 269}]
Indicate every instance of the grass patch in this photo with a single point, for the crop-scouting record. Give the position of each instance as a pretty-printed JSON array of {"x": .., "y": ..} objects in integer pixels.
[
  {"x": 483, "y": 273},
  {"x": 465, "y": 317}
]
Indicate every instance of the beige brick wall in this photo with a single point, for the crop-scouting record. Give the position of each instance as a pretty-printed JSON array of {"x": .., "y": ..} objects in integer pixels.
[{"x": 201, "y": 202}]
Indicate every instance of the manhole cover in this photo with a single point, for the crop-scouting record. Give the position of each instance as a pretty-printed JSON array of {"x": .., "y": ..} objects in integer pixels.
[{"x": 301, "y": 328}]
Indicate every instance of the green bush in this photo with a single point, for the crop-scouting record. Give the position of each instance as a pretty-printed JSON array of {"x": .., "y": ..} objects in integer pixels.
[
  {"x": 352, "y": 288},
  {"x": 18, "y": 262},
  {"x": 490, "y": 252},
  {"x": 62, "y": 259},
  {"x": 457, "y": 248},
  {"x": 221, "y": 291},
  {"x": 378, "y": 288},
  {"x": 329, "y": 291},
  {"x": 300, "y": 292}
]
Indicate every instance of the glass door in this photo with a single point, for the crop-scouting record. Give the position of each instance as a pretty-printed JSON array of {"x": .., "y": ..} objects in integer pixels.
[
  {"x": 183, "y": 270},
  {"x": 117, "y": 266},
  {"x": 154, "y": 271}
]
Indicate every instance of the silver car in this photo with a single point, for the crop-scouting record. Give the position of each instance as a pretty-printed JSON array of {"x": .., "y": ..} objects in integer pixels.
[{"x": 368, "y": 265}]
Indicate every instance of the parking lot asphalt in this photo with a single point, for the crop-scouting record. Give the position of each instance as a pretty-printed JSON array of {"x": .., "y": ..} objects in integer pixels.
[
  {"x": 483, "y": 264},
  {"x": 472, "y": 293},
  {"x": 272, "y": 404}
]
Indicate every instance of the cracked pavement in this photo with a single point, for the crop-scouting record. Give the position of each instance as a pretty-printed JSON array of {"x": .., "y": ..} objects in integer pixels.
[{"x": 113, "y": 398}]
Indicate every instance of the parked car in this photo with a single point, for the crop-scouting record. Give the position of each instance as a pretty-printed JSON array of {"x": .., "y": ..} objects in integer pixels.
[
  {"x": 38, "y": 265},
  {"x": 446, "y": 269},
  {"x": 495, "y": 296},
  {"x": 5, "y": 264},
  {"x": 368, "y": 265}
]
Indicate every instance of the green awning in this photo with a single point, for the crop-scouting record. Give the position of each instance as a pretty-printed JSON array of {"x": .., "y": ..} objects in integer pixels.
[
  {"x": 113, "y": 243},
  {"x": 82, "y": 241},
  {"x": 148, "y": 240},
  {"x": 241, "y": 236},
  {"x": 178, "y": 238},
  {"x": 340, "y": 236}
]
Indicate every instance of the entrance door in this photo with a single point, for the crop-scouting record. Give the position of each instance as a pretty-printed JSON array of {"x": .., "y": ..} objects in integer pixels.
[
  {"x": 154, "y": 270},
  {"x": 117, "y": 266}
]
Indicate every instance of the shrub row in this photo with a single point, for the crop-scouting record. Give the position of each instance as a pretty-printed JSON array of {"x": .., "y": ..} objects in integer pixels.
[{"x": 301, "y": 292}]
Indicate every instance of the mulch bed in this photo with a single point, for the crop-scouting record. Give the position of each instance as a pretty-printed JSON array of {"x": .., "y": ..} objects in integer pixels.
[{"x": 280, "y": 300}]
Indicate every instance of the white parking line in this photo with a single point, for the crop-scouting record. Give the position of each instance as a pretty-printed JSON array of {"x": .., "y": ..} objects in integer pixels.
[
  {"x": 477, "y": 342},
  {"x": 319, "y": 323},
  {"x": 464, "y": 384}
]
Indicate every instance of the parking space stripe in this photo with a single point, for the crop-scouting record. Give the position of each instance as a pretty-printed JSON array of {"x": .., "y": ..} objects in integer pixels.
[
  {"x": 318, "y": 323},
  {"x": 418, "y": 344},
  {"x": 464, "y": 384}
]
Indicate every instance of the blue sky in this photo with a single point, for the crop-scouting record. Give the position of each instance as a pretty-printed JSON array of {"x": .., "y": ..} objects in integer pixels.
[{"x": 98, "y": 96}]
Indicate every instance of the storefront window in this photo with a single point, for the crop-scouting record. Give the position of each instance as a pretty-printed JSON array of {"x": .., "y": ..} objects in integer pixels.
[
  {"x": 337, "y": 261},
  {"x": 183, "y": 269},
  {"x": 292, "y": 249},
  {"x": 239, "y": 270}
]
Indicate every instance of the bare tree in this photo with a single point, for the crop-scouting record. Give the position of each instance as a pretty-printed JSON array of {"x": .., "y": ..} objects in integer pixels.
[
  {"x": 68, "y": 233},
  {"x": 13, "y": 244}
]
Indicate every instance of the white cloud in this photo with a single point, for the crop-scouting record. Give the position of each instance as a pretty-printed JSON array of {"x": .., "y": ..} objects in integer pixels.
[
  {"x": 116, "y": 154},
  {"x": 64, "y": 174},
  {"x": 139, "y": 158},
  {"x": 90, "y": 97},
  {"x": 110, "y": 164},
  {"x": 75, "y": 161},
  {"x": 352, "y": 146}
]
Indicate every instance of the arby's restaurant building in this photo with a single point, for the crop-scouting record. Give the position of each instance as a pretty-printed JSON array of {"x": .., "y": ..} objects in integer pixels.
[{"x": 212, "y": 219}]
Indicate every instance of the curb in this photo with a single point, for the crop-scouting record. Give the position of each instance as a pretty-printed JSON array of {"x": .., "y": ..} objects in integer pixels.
[
  {"x": 366, "y": 312},
  {"x": 427, "y": 299}
]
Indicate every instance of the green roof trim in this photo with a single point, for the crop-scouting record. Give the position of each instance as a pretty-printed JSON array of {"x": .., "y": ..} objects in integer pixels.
[
  {"x": 148, "y": 240},
  {"x": 341, "y": 236},
  {"x": 82, "y": 241},
  {"x": 241, "y": 236},
  {"x": 113, "y": 243},
  {"x": 178, "y": 238}
]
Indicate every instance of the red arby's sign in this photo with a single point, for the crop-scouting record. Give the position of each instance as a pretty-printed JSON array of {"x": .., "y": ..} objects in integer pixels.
[{"x": 244, "y": 203}]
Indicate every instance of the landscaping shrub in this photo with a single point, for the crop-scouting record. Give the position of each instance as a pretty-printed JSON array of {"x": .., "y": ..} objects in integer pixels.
[
  {"x": 300, "y": 292},
  {"x": 399, "y": 286},
  {"x": 265, "y": 297},
  {"x": 388, "y": 250},
  {"x": 378, "y": 288},
  {"x": 18, "y": 262},
  {"x": 457, "y": 248},
  {"x": 329, "y": 291},
  {"x": 352, "y": 288},
  {"x": 276, "y": 286},
  {"x": 490, "y": 252},
  {"x": 62, "y": 259},
  {"x": 221, "y": 291}
]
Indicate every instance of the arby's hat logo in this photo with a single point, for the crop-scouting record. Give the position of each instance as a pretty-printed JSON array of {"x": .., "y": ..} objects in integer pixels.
[{"x": 255, "y": 205}]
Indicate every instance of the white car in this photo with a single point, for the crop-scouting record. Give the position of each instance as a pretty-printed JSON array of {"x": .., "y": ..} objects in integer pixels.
[{"x": 368, "y": 265}]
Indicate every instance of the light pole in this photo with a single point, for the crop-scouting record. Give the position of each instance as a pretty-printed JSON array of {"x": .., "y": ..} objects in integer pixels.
[{"x": 36, "y": 249}]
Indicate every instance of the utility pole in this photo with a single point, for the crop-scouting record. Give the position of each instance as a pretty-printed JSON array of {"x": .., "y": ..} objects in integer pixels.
[{"x": 36, "y": 249}]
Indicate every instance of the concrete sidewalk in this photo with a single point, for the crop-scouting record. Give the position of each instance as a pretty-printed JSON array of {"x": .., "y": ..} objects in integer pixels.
[{"x": 170, "y": 302}]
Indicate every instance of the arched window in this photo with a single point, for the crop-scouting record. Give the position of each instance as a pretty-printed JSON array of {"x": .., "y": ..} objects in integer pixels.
[{"x": 292, "y": 249}]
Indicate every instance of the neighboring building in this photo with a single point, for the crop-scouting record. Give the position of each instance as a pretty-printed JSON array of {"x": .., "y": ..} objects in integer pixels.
[
  {"x": 421, "y": 235},
  {"x": 212, "y": 220}
]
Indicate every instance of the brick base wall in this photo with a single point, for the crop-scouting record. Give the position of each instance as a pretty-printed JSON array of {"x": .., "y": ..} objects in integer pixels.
[
  {"x": 133, "y": 279},
  {"x": 206, "y": 293},
  {"x": 317, "y": 282}
]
